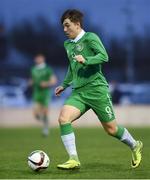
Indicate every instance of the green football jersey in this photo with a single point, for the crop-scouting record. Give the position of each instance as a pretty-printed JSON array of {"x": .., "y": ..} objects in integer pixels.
[
  {"x": 92, "y": 49},
  {"x": 40, "y": 74}
]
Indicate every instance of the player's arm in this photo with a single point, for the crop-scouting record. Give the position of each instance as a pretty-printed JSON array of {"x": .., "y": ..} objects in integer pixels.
[
  {"x": 66, "y": 83},
  {"x": 100, "y": 53},
  {"x": 68, "y": 78},
  {"x": 30, "y": 82},
  {"x": 51, "y": 82}
]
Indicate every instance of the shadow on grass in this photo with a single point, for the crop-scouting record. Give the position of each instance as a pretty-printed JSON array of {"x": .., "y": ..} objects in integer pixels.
[
  {"x": 48, "y": 172},
  {"x": 88, "y": 170},
  {"x": 104, "y": 166}
]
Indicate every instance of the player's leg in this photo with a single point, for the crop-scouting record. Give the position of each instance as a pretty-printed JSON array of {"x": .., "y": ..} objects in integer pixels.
[
  {"x": 40, "y": 111},
  {"x": 102, "y": 106},
  {"x": 67, "y": 115},
  {"x": 44, "y": 101},
  {"x": 107, "y": 118},
  {"x": 37, "y": 111},
  {"x": 71, "y": 111},
  {"x": 124, "y": 136},
  {"x": 45, "y": 120},
  {"x": 119, "y": 132}
]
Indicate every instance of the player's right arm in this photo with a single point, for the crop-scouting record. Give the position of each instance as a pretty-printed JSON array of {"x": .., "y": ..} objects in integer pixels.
[
  {"x": 66, "y": 83},
  {"x": 68, "y": 78},
  {"x": 59, "y": 90}
]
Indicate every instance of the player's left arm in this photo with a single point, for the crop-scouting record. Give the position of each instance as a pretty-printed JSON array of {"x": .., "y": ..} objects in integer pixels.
[
  {"x": 51, "y": 82},
  {"x": 100, "y": 54}
]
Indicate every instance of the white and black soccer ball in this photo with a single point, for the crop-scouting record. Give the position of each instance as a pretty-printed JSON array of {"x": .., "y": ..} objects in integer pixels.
[{"x": 38, "y": 160}]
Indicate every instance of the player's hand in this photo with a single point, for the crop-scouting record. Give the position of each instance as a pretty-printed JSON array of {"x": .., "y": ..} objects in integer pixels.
[
  {"x": 30, "y": 82},
  {"x": 79, "y": 58},
  {"x": 44, "y": 84},
  {"x": 59, "y": 90}
]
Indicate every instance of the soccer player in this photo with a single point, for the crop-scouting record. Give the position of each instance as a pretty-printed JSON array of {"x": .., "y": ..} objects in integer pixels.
[
  {"x": 42, "y": 78},
  {"x": 86, "y": 55}
]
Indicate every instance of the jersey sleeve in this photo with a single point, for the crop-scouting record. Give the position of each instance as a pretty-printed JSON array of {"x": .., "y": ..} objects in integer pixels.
[
  {"x": 100, "y": 54},
  {"x": 50, "y": 72},
  {"x": 68, "y": 78},
  {"x": 31, "y": 73}
]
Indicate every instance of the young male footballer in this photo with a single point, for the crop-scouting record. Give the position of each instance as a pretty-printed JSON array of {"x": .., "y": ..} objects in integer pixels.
[
  {"x": 42, "y": 78},
  {"x": 86, "y": 55}
]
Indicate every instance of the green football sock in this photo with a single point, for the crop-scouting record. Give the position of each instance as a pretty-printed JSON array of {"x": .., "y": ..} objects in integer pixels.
[
  {"x": 38, "y": 117},
  {"x": 66, "y": 129},
  {"x": 119, "y": 133},
  {"x": 68, "y": 139},
  {"x": 45, "y": 120}
]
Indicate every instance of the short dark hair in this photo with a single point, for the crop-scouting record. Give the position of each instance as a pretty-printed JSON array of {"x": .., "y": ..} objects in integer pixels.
[
  {"x": 74, "y": 15},
  {"x": 39, "y": 54}
]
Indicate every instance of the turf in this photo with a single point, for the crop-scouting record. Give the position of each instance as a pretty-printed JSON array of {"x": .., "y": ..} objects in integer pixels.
[{"x": 101, "y": 156}]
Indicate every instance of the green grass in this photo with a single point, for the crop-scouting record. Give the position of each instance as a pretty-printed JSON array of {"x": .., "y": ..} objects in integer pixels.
[{"x": 101, "y": 156}]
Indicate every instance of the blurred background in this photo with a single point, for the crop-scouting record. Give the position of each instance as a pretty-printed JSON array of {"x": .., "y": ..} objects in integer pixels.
[{"x": 28, "y": 27}]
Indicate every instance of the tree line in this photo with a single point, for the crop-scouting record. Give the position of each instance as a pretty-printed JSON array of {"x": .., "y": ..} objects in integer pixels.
[{"x": 39, "y": 36}]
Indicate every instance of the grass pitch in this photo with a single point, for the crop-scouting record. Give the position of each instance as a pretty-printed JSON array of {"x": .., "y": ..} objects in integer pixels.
[{"x": 101, "y": 156}]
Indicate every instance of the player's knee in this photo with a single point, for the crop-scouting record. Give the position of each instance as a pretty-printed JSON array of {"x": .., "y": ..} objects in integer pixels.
[
  {"x": 63, "y": 120},
  {"x": 111, "y": 131},
  {"x": 37, "y": 116}
]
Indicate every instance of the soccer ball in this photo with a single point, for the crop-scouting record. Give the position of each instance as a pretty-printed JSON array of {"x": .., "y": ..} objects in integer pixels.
[{"x": 38, "y": 160}]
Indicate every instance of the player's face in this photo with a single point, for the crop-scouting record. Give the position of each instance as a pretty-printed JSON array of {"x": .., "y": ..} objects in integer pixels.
[
  {"x": 71, "y": 29},
  {"x": 39, "y": 59}
]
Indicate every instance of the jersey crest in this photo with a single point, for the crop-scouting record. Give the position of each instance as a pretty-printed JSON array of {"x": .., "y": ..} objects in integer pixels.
[{"x": 79, "y": 47}]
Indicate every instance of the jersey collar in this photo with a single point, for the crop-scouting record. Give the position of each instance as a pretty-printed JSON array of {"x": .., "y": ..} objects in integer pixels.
[
  {"x": 40, "y": 66},
  {"x": 79, "y": 36}
]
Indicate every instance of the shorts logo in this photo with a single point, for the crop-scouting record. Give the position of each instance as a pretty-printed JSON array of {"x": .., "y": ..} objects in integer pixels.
[{"x": 109, "y": 112}]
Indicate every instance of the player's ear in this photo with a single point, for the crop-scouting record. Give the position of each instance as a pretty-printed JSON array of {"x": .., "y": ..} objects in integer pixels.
[{"x": 78, "y": 24}]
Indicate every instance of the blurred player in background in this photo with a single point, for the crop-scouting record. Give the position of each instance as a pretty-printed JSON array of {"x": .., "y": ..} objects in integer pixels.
[
  {"x": 86, "y": 55},
  {"x": 42, "y": 79}
]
